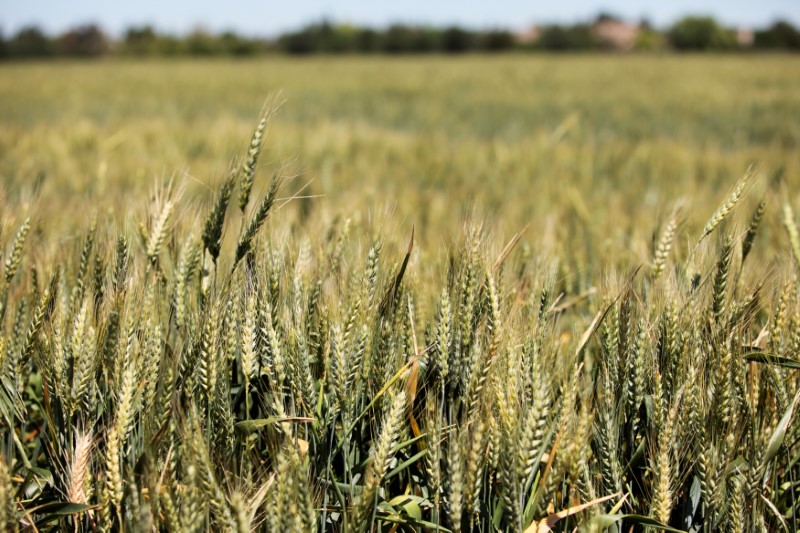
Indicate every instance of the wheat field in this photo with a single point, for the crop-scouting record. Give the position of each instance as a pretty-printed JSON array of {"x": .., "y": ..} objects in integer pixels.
[{"x": 517, "y": 293}]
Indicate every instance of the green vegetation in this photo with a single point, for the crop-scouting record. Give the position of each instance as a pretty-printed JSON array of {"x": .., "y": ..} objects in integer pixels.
[
  {"x": 472, "y": 293},
  {"x": 603, "y": 33},
  {"x": 701, "y": 33}
]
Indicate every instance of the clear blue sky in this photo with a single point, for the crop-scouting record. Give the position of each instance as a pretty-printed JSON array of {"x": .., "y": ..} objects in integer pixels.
[{"x": 269, "y": 18}]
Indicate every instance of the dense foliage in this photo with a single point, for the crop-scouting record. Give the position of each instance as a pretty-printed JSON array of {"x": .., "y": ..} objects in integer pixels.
[{"x": 687, "y": 34}]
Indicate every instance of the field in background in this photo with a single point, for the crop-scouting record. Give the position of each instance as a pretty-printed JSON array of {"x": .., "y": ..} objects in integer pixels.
[
  {"x": 536, "y": 139},
  {"x": 412, "y": 132},
  {"x": 611, "y": 168}
]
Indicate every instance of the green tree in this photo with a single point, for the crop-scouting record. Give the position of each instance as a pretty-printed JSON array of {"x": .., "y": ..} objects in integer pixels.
[
  {"x": 316, "y": 38},
  {"x": 401, "y": 39},
  {"x": 368, "y": 40},
  {"x": 781, "y": 35},
  {"x": 236, "y": 45},
  {"x": 558, "y": 38},
  {"x": 497, "y": 41},
  {"x": 300, "y": 42},
  {"x": 169, "y": 45},
  {"x": 202, "y": 43},
  {"x": 30, "y": 42},
  {"x": 343, "y": 38},
  {"x": 649, "y": 39},
  {"x": 140, "y": 41},
  {"x": 456, "y": 40},
  {"x": 700, "y": 33}
]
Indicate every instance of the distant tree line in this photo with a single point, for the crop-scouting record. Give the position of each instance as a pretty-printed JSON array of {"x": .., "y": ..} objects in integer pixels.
[
  {"x": 606, "y": 32},
  {"x": 396, "y": 39}
]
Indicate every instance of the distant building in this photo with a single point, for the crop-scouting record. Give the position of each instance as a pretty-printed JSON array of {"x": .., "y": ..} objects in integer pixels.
[
  {"x": 745, "y": 37},
  {"x": 611, "y": 33},
  {"x": 619, "y": 34},
  {"x": 529, "y": 36}
]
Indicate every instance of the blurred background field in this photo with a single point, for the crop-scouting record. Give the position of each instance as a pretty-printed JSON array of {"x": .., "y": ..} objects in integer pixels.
[{"x": 596, "y": 149}]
